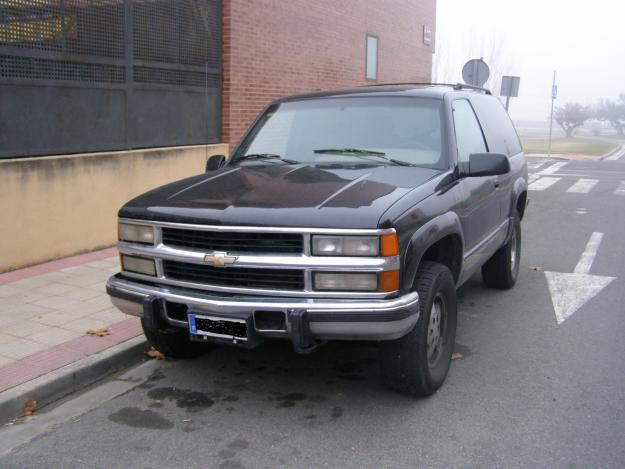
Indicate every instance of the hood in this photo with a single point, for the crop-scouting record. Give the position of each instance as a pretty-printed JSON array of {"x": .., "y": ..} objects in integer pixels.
[{"x": 270, "y": 194}]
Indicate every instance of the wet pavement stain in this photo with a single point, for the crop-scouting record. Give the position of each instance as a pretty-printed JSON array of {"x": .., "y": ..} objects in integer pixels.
[
  {"x": 138, "y": 418},
  {"x": 230, "y": 464},
  {"x": 238, "y": 445},
  {"x": 185, "y": 399},
  {"x": 336, "y": 412},
  {"x": 289, "y": 400}
]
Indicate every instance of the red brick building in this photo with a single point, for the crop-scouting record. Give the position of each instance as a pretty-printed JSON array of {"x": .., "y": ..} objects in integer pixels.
[{"x": 273, "y": 48}]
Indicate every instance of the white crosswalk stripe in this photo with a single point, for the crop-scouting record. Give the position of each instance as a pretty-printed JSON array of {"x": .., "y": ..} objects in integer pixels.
[
  {"x": 583, "y": 186},
  {"x": 543, "y": 183},
  {"x": 532, "y": 177},
  {"x": 535, "y": 164},
  {"x": 621, "y": 189},
  {"x": 554, "y": 168}
]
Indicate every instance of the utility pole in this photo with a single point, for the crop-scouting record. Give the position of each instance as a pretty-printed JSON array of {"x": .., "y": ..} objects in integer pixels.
[{"x": 554, "y": 95}]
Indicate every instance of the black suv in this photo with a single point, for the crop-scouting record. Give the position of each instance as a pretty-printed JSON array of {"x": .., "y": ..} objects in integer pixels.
[{"x": 345, "y": 215}]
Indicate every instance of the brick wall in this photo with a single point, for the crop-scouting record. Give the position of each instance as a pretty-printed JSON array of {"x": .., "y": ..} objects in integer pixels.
[{"x": 273, "y": 48}]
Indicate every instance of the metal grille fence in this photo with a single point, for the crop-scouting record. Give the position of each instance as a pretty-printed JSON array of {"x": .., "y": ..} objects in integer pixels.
[{"x": 89, "y": 75}]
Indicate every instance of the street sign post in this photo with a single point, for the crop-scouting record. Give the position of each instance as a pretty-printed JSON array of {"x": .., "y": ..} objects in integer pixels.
[
  {"x": 475, "y": 72},
  {"x": 509, "y": 88},
  {"x": 554, "y": 95}
]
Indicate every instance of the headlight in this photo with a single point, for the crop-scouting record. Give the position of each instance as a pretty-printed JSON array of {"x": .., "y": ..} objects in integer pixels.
[
  {"x": 138, "y": 265},
  {"x": 345, "y": 245},
  {"x": 136, "y": 233},
  {"x": 346, "y": 281}
]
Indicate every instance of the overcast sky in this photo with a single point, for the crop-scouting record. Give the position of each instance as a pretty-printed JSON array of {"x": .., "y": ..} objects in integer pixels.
[{"x": 583, "y": 40}]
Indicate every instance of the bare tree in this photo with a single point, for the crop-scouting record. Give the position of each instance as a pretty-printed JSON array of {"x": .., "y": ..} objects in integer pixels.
[
  {"x": 452, "y": 52},
  {"x": 612, "y": 112},
  {"x": 571, "y": 116}
]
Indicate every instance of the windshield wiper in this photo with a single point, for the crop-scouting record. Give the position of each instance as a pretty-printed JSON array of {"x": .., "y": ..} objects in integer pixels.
[
  {"x": 267, "y": 156},
  {"x": 358, "y": 152},
  {"x": 355, "y": 151}
]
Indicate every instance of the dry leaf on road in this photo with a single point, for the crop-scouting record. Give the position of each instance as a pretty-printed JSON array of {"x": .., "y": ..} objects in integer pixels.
[
  {"x": 153, "y": 353},
  {"x": 29, "y": 408},
  {"x": 99, "y": 332},
  {"x": 537, "y": 268},
  {"x": 456, "y": 356}
]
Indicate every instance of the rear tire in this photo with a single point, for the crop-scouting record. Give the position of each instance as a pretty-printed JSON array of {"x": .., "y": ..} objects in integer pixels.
[
  {"x": 417, "y": 364},
  {"x": 502, "y": 270},
  {"x": 173, "y": 343}
]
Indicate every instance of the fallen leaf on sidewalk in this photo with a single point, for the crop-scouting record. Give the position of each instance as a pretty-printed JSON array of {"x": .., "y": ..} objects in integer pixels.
[
  {"x": 536, "y": 268},
  {"x": 153, "y": 353},
  {"x": 187, "y": 420},
  {"x": 99, "y": 332},
  {"x": 456, "y": 356},
  {"x": 29, "y": 408}
]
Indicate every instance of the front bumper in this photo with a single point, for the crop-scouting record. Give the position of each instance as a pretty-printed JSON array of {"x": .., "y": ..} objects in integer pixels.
[{"x": 307, "y": 320}]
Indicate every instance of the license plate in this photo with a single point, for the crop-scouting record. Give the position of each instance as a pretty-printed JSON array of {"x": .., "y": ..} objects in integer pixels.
[{"x": 213, "y": 326}]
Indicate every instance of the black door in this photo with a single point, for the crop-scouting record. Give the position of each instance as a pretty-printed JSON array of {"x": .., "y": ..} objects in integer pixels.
[{"x": 480, "y": 211}]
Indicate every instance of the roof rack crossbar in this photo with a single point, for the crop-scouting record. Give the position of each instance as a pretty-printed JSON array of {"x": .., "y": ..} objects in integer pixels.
[{"x": 455, "y": 86}]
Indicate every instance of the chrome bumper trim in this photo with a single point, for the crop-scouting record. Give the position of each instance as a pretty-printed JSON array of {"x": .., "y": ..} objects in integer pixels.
[{"x": 346, "y": 319}]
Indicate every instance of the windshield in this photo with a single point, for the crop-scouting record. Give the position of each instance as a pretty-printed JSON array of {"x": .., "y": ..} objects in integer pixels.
[{"x": 373, "y": 130}]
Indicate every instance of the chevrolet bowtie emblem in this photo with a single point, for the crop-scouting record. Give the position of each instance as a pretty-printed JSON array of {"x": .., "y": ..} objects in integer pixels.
[{"x": 219, "y": 259}]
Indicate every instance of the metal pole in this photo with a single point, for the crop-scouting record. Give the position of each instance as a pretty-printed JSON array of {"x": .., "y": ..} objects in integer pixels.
[
  {"x": 507, "y": 102},
  {"x": 553, "y": 98}
]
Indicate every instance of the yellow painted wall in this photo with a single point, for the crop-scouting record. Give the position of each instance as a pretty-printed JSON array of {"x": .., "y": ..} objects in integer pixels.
[{"x": 56, "y": 206}]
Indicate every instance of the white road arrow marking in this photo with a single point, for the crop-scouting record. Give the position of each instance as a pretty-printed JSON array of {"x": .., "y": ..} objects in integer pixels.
[{"x": 569, "y": 292}]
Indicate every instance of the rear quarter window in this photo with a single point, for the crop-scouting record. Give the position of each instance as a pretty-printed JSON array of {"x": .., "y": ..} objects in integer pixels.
[{"x": 498, "y": 128}]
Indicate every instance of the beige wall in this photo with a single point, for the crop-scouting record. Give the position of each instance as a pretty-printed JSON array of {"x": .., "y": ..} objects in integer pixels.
[{"x": 56, "y": 206}]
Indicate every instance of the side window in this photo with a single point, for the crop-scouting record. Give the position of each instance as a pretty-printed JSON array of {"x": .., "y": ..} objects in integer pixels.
[
  {"x": 469, "y": 138},
  {"x": 498, "y": 128}
]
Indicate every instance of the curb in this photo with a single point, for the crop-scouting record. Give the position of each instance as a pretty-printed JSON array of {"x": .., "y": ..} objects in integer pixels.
[
  {"x": 615, "y": 151},
  {"x": 59, "y": 383}
]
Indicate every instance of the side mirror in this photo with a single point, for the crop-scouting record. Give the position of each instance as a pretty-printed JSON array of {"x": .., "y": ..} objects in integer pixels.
[
  {"x": 485, "y": 164},
  {"x": 215, "y": 162}
]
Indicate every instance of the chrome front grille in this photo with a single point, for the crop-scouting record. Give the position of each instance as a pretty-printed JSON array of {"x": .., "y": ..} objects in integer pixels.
[
  {"x": 265, "y": 279},
  {"x": 268, "y": 261},
  {"x": 274, "y": 243}
]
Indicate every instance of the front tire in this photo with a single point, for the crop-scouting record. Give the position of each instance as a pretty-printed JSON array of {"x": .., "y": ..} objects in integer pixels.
[
  {"x": 417, "y": 364},
  {"x": 173, "y": 343},
  {"x": 502, "y": 270}
]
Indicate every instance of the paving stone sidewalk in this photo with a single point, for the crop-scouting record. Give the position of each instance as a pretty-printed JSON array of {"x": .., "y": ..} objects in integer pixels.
[{"x": 46, "y": 311}]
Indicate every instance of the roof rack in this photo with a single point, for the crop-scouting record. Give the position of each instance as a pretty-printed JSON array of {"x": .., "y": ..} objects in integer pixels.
[{"x": 456, "y": 86}]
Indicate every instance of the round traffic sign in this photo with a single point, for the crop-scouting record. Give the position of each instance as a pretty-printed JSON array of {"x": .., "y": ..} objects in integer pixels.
[{"x": 475, "y": 72}]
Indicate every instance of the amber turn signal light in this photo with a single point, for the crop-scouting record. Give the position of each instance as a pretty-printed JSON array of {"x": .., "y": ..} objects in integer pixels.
[
  {"x": 388, "y": 281},
  {"x": 389, "y": 246}
]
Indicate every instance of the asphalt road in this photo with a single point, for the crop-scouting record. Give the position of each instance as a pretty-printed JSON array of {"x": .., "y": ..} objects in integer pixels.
[{"x": 527, "y": 392}]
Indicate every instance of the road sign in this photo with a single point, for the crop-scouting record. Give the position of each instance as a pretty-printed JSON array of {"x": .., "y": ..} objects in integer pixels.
[
  {"x": 554, "y": 92},
  {"x": 510, "y": 86},
  {"x": 475, "y": 72}
]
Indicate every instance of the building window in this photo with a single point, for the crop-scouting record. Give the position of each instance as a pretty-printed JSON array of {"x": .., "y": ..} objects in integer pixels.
[{"x": 372, "y": 58}]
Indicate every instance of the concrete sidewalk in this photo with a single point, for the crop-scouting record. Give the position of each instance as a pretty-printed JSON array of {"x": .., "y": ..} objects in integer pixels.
[{"x": 46, "y": 311}]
